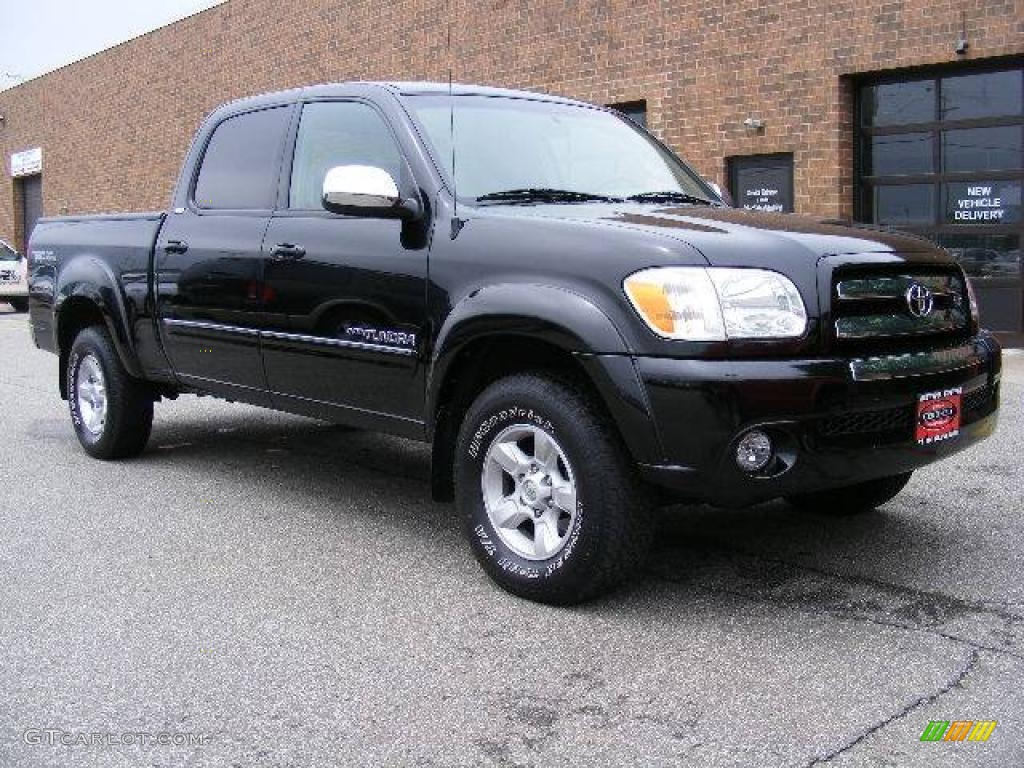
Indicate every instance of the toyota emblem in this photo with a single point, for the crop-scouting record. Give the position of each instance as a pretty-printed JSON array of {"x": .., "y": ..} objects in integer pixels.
[{"x": 919, "y": 300}]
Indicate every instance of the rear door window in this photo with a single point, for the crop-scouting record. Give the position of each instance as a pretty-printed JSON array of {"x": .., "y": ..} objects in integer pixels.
[{"x": 240, "y": 166}]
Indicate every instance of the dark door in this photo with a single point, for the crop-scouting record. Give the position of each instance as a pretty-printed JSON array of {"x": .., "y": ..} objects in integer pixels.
[
  {"x": 208, "y": 259},
  {"x": 32, "y": 206},
  {"x": 762, "y": 182},
  {"x": 346, "y": 295}
]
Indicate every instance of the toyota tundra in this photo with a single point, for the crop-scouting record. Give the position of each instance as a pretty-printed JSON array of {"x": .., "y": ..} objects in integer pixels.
[{"x": 540, "y": 289}]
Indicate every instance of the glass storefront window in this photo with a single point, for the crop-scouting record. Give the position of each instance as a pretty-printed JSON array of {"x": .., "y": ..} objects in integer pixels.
[
  {"x": 899, "y": 154},
  {"x": 899, "y": 103},
  {"x": 969, "y": 150},
  {"x": 905, "y": 204},
  {"x": 941, "y": 154},
  {"x": 986, "y": 256},
  {"x": 985, "y": 94}
]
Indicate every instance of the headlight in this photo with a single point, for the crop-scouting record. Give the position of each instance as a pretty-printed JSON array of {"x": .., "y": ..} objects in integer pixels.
[{"x": 717, "y": 303}]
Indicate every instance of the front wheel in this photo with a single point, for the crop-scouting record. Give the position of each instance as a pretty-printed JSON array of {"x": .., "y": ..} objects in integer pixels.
[
  {"x": 18, "y": 305},
  {"x": 853, "y": 499},
  {"x": 552, "y": 504},
  {"x": 112, "y": 413}
]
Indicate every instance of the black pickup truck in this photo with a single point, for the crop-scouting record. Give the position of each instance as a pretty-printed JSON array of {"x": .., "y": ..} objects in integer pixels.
[{"x": 567, "y": 312}]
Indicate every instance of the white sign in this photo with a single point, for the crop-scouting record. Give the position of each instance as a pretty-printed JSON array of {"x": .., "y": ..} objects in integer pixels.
[
  {"x": 764, "y": 199},
  {"x": 979, "y": 204},
  {"x": 27, "y": 163}
]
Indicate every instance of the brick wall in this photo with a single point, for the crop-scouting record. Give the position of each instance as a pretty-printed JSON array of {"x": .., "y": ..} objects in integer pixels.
[{"x": 115, "y": 126}]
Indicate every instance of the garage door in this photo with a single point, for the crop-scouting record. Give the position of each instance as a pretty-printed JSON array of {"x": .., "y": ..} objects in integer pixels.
[
  {"x": 32, "y": 205},
  {"x": 942, "y": 155}
]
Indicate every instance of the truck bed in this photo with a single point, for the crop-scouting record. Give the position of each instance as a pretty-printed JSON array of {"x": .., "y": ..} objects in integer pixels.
[{"x": 105, "y": 254}]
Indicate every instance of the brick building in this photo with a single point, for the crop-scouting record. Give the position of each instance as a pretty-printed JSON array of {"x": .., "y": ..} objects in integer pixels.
[{"x": 871, "y": 110}]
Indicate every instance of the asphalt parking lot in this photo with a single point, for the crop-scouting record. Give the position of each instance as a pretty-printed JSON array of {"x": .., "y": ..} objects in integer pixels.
[{"x": 286, "y": 590}]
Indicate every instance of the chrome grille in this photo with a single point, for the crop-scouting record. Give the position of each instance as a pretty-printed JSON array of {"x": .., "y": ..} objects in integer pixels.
[{"x": 901, "y": 305}]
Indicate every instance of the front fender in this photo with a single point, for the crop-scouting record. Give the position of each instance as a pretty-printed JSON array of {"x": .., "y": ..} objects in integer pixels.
[
  {"x": 565, "y": 319},
  {"x": 551, "y": 313},
  {"x": 91, "y": 279}
]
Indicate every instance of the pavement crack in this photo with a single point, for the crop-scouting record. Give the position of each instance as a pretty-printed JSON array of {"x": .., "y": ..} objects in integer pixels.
[
  {"x": 859, "y": 598},
  {"x": 961, "y": 675}
]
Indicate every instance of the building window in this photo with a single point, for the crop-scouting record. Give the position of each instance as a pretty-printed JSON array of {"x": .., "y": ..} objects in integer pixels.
[
  {"x": 762, "y": 182},
  {"x": 634, "y": 110},
  {"x": 942, "y": 155}
]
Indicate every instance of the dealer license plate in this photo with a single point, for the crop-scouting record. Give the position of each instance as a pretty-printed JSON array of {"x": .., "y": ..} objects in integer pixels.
[{"x": 938, "y": 416}]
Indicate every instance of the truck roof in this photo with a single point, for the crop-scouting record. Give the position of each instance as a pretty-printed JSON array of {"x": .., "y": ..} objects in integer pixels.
[{"x": 398, "y": 88}]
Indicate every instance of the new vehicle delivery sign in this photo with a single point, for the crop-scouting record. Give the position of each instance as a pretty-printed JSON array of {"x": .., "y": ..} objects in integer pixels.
[{"x": 979, "y": 203}]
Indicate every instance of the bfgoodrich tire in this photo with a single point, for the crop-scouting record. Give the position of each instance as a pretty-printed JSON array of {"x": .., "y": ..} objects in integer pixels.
[
  {"x": 853, "y": 499},
  {"x": 552, "y": 504},
  {"x": 112, "y": 413}
]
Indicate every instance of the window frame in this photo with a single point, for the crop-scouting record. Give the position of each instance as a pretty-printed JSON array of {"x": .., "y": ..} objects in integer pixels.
[{"x": 288, "y": 159}]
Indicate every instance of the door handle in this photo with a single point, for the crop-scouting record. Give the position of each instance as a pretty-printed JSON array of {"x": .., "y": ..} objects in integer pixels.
[
  {"x": 175, "y": 246},
  {"x": 288, "y": 252}
]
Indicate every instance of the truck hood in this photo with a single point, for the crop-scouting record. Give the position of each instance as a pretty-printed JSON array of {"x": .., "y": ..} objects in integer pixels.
[{"x": 733, "y": 237}]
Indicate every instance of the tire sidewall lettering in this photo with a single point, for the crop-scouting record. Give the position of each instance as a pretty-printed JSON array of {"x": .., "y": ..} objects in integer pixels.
[{"x": 518, "y": 413}]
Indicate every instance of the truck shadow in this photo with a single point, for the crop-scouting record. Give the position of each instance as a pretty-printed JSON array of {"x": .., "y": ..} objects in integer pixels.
[{"x": 769, "y": 554}]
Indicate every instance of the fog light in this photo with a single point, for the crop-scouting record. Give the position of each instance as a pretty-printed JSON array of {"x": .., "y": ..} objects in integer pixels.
[{"x": 754, "y": 451}]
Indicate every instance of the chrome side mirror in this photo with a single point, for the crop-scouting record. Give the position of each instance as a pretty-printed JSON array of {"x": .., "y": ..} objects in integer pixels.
[
  {"x": 365, "y": 190},
  {"x": 360, "y": 189}
]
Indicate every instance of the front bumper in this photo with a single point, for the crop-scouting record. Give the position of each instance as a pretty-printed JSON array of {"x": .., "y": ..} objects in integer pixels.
[{"x": 835, "y": 421}]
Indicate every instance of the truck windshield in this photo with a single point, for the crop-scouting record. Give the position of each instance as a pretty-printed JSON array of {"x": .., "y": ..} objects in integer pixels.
[
  {"x": 508, "y": 148},
  {"x": 7, "y": 253}
]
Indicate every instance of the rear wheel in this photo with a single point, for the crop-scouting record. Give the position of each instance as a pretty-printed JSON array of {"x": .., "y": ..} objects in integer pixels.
[
  {"x": 112, "y": 413},
  {"x": 853, "y": 499},
  {"x": 551, "y": 502},
  {"x": 19, "y": 305}
]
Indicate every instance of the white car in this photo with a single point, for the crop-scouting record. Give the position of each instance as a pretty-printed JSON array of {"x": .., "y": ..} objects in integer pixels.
[{"x": 13, "y": 274}]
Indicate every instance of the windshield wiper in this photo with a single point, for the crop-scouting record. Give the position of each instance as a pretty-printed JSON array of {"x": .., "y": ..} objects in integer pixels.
[
  {"x": 545, "y": 195},
  {"x": 669, "y": 197}
]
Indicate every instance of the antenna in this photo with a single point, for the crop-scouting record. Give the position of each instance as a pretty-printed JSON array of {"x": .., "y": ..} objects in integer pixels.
[{"x": 456, "y": 221}]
